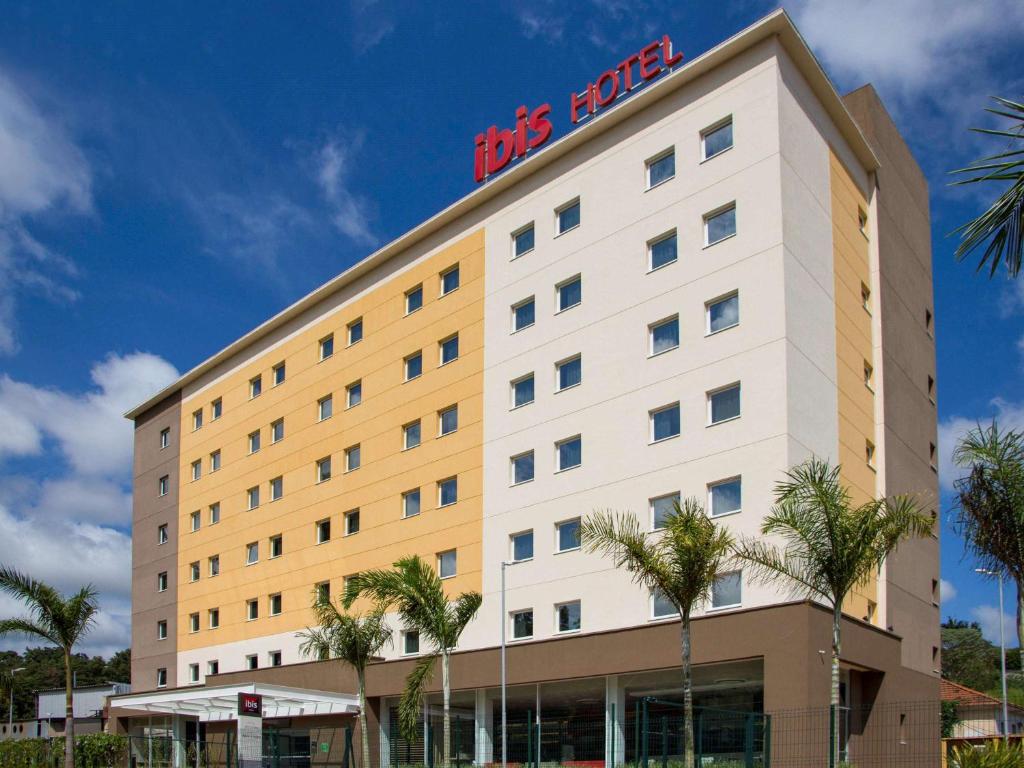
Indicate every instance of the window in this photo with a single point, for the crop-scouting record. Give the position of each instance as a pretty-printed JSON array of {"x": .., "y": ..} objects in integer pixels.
[
  {"x": 569, "y": 294},
  {"x": 278, "y": 374},
  {"x": 410, "y": 642},
  {"x": 355, "y": 331},
  {"x": 193, "y": 571},
  {"x": 568, "y": 373},
  {"x": 163, "y": 485},
  {"x": 720, "y": 225},
  {"x": 213, "y": 618},
  {"x": 663, "y": 335},
  {"x": 323, "y": 469},
  {"x": 413, "y": 366},
  {"x": 662, "y": 251},
  {"x": 212, "y": 667},
  {"x": 661, "y": 168},
  {"x": 522, "y": 624},
  {"x": 193, "y": 672},
  {"x": 252, "y": 661},
  {"x": 449, "y": 349},
  {"x": 323, "y": 592},
  {"x": 165, "y": 437},
  {"x": 275, "y": 604},
  {"x": 869, "y": 376},
  {"x": 275, "y": 658},
  {"x": 411, "y": 435},
  {"x": 197, "y": 419},
  {"x": 661, "y": 508},
  {"x": 352, "y": 458},
  {"x": 569, "y": 452},
  {"x": 161, "y": 630},
  {"x": 928, "y": 321},
  {"x": 193, "y": 622},
  {"x": 522, "y": 241},
  {"x": 252, "y": 608},
  {"x": 411, "y": 503},
  {"x": 725, "y": 592},
  {"x": 326, "y": 346},
  {"x": 255, "y": 386},
  {"x": 276, "y": 546},
  {"x": 447, "y": 491},
  {"x": 194, "y": 521},
  {"x": 254, "y": 441},
  {"x": 161, "y": 581},
  {"x": 865, "y": 298},
  {"x": 446, "y": 564},
  {"x": 716, "y": 139},
  {"x": 931, "y": 389},
  {"x": 568, "y": 616},
  {"x": 197, "y": 469},
  {"x": 215, "y": 513},
  {"x": 523, "y": 314},
  {"x": 932, "y": 455},
  {"x": 935, "y": 591},
  {"x": 277, "y": 430},
  {"x": 351, "y": 522},
  {"x": 252, "y": 552},
  {"x": 725, "y": 497},
  {"x": 325, "y": 407},
  {"x": 161, "y": 677},
  {"x": 664, "y": 422},
  {"x": 253, "y": 497},
  {"x": 522, "y": 546},
  {"x": 215, "y": 461},
  {"x": 862, "y": 221},
  {"x": 724, "y": 404},
  {"x": 869, "y": 453},
  {"x": 216, "y": 409},
  {"x": 323, "y": 531},
  {"x": 448, "y": 420},
  {"x": 522, "y": 468},
  {"x": 413, "y": 299},
  {"x": 213, "y": 564},
  {"x": 449, "y": 280},
  {"x": 661, "y": 606},
  {"x": 522, "y": 391},
  {"x": 161, "y": 534},
  {"x": 567, "y": 535},
  {"x": 568, "y": 217},
  {"x": 354, "y": 393},
  {"x": 723, "y": 313}
]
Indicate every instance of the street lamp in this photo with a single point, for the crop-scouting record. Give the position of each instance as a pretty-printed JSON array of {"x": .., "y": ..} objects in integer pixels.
[
  {"x": 1002, "y": 647},
  {"x": 10, "y": 712},
  {"x": 504, "y": 732}
]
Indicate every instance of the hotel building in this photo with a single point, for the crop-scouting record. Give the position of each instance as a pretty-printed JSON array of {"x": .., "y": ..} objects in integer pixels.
[{"x": 723, "y": 275}]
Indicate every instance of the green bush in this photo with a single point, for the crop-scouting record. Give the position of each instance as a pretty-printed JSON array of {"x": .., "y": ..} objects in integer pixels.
[
  {"x": 92, "y": 750},
  {"x": 996, "y": 754}
]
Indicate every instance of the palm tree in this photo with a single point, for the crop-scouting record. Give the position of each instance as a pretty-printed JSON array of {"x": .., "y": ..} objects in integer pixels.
[
  {"x": 830, "y": 545},
  {"x": 1002, "y": 225},
  {"x": 681, "y": 561},
  {"x": 352, "y": 638},
  {"x": 415, "y": 590},
  {"x": 990, "y": 501},
  {"x": 60, "y": 620}
]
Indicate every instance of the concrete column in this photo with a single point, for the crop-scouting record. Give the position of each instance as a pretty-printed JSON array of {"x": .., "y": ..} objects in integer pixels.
[
  {"x": 614, "y": 724},
  {"x": 385, "y": 733},
  {"x": 178, "y": 734},
  {"x": 484, "y": 720}
]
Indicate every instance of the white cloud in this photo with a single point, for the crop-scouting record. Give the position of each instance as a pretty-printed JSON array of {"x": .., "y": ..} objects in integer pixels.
[
  {"x": 947, "y": 591},
  {"x": 988, "y": 617},
  {"x": 1009, "y": 415},
  {"x": 350, "y": 212},
  {"x": 372, "y": 21}
]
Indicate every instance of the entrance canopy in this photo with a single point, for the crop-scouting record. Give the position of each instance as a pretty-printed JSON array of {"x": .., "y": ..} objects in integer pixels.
[{"x": 221, "y": 702}]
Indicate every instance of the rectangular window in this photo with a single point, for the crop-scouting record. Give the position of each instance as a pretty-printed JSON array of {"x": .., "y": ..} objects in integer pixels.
[
  {"x": 413, "y": 299},
  {"x": 661, "y": 606},
  {"x": 252, "y": 552},
  {"x": 194, "y": 521},
  {"x": 193, "y": 626},
  {"x": 354, "y": 393},
  {"x": 161, "y": 534},
  {"x": 869, "y": 453},
  {"x": 662, "y": 251},
  {"x": 323, "y": 531},
  {"x": 869, "y": 375},
  {"x": 413, "y": 366},
  {"x": 716, "y": 139},
  {"x": 522, "y": 624},
  {"x": 931, "y": 389},
  {"x": 722, "y": 313},
  {"x": 275, "y": 605},
  {"x": 193, "y": 670},
  {"x": 448, "y": 420},
  {"x": 862, "y": 221},
  {"x": 326, "y": 346},
  {"x": 522, "y": 241},
  {"x": 213, "y": 564},
  {"x": 411, "y": 503},
  {"x": 522, "y": 546},
  {"x": 724, "y": 404},
  {"x": 161, "y": 677},
  {"x": 449, "y": 280},
  {"x": 215, "y": 513},
  {"x": 567, "y": 535},
  {"x": 165, "y": 437},
  {"x": 446, "y": 564},
  {"x": 213, "y": 618},
  {"x": 523, "y": 314},
  {"x": 411, "y": 435},
  {"x": 252, "y": 609},
  {"x": 928, "y": 321},
  {"x": 720, "y": 224},
  {"x": 449, "y": 349},
  {"x": 410, "y": 642},
  {"x": 161, "y": 581},
  {"x": 215, "y": 461},
  {"x": 197, "y": 419},
  {"x": 569, "y": 453},
  {"x": 664, "y": 422},
  {"x": 522, "y": 468},
  {"x": 212, "y": 667},
  {"x": 661, "y": 508},
  {"x": 661, "y": 168},
  {"x": 353, "y": 458},
  {"x": 325, "y": 407},
  {"x": 252, "y": 661},
  {"x": 725, "y": 497},
  {"x": 252, "y": 497},
  {"x": 569, "y": 294},
  {"x": 663, "y": 336},
  {"x": 163, "y": 485},
  {"x": 351, "y": 522},
  {"x": 726, "y": 590},
  {"x": 276, "y": 488},
  {"x": 278, "y": 372},
  {"x": 568, "y": 616},
  {"x": 275, "y": 658},
  {"x": 865, "y": 298},
  {"x": 161, "y": 630},
  {"x": 323, "y": 592},
  {"x": 522, "y": 391},
  {"x": 323, "y": 469},
  {"x": 216, "y": 409},
  {"x": 254, "y": 441},
  {"x": 568, "y": 217},
  {"x": 193, "y": 571},
  {"x": 447, "y": 491},
  {"x": 197, "y": 469},
  {"x": 255, "y": 386},
  {"x": 355, "y": 331},
  {"x": 568, "y": 373},
  {"x": 276, "y": 430}
]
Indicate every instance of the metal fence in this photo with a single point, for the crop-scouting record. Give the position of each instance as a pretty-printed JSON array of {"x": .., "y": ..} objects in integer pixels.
[
  {"x": 300, "y": 748},
  {"x": 737, "y": 739}
]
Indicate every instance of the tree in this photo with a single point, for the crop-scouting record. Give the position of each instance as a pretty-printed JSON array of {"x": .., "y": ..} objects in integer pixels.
[
  {"x": 967, "y": 657},
  {"x": 416, "y": 591},
  {"x": 990, "y": 504},
  {"x": 1002, "y": 225},
  {"x": 681, "y": 561},
  {"x": 830, "y": 545},
  {"x": 60, "y": 620},
  {"x": 352, "y": 638}
]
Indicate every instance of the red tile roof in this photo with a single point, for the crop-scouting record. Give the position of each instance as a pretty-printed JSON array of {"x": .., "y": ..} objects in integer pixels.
[{"x": 950, "y": 691}]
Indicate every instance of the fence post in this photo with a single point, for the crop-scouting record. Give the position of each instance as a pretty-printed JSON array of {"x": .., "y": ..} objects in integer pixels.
[
  {"x": 529, "y": 737},
  {"x": 615, "y": 727},
  {"x": 664, "y": 741},
  {"x": 766, "y": 747},
  {"x": 646, "y": 735},
  {"x": 636, "y": 733},
  {"x": 832, "y": 736},
  {"x": 748, "y": 739}
]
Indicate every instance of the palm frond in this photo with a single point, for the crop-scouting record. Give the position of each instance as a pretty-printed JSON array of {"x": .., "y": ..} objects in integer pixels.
[
  {"x": 410, "y": 706},
  {"x": 27, "y": 627}
]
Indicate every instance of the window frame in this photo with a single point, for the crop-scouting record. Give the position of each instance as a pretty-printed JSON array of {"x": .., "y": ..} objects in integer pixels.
[
  {"x": 579, "y": 610},
  {"x": 657, "y": 325},
  {"x": 654, "y": 412},
  {"x": 512, "y": 545},
  {"x": 708, "y": 330},
  {"x": 347, "y": 518},
  {"x": 275, "y": 546},
  {"x": 405, "y": 365},
  {"x": 407, "y": 299},
  {"x": 252, "y": 495},
  {"x": 512, "y": 390},
  {"x": 714, "y": 214},
  {"x": 276, "y": 381},
  {"x": 321, "y": 464},
  {"x": 350, "y": 328},
  {"x": 214, "y": 513},
  {"x": 216, "y": 408},
  {"x": 440, "y": 564},
  {"x": 252, "y": 609},
  {"x": 161, "y": 629},
  {"x": 357, "y": 388},
  {"x": 718, "y": 484},
  {"x": 273, "y": 430},
  {"x": 252, "y": 548},
  {"x": 254, "y": 439},
  {"x": 325, "y": 402},
  {"x": 711, "y": 598},
  {"x": 672, "y": 234},
  {"x": 708, "y": 131},
  {"x": 406, "y": 634},
  {"x": 195, "y": 522},
  {"x": 560, "y": 365},
  {"x": 441, "y": 414},
  {"x": 654, "y": 616},
  {"x": 320, "y": 526},
  {"x": 325, "y": 348},
  {"x": 441, "y": 484},
  {"x": 512, "y": 620},
  {"x": 406, "y": 431},
  {"x": 558, "y": 453},
  {"x": 711, "y": 393},
  {"x": 165, "y": 438},
  {"x": 531, "y": 300},
  {"x": 163, "y": 485},
  {"x": 441, "y": 350},
  {"x": 406, "y": 496},
  {"x": 560, "y": 286},
  {"x": 271, "y": 600},
  {"x": 558, "y": 535},
  {"x": 574, "y": 203},
  {"x": 652, "y": 161},
  {"x": 513, "y": 466},
  {"x": 353, "y": 458},
  {"x": 676, "y": 496},
  {"x": 515, "y": 236},
  {"x": 454, "y": 269},
  {"x": 213, "y": 618},
  {"x": 255, "y": 386}
]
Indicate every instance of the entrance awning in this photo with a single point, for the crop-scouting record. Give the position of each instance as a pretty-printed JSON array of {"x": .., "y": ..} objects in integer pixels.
[{"x": 221, "y": 702}]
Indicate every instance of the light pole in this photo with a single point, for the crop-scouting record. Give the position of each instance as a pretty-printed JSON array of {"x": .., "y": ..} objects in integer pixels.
[
  {"x": 504, "y": 732},
  {"x": 1002, "y": 648},
  {"x": 10, "y": 712}
]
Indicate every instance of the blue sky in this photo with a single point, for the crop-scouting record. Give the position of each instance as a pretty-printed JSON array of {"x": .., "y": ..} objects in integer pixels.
[{"x": 172, "y": 175}]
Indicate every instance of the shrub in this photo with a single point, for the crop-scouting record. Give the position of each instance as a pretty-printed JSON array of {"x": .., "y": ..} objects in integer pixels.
[
  {"x": 996, "y": 754},
  {"x": 92, "y": 750}
]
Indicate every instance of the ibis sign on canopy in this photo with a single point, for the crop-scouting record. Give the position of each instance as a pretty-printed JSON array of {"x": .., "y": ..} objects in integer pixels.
[{"x": 497, "y": 147}]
